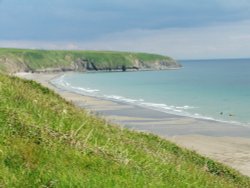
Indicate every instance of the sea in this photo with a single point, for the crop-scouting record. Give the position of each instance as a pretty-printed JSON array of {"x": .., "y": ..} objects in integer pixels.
[{"x": 216, "y": 89}]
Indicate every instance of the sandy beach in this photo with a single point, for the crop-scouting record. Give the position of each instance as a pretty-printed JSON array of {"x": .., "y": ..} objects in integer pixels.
[{"x": 226, "y": 143}]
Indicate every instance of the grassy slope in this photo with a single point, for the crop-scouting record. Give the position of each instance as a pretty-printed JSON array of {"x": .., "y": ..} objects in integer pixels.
[
  {"x": 38, "y": 59},
  {"x": 45, "y": 140}
]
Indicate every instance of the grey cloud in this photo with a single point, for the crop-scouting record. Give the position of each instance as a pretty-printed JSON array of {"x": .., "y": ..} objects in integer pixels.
[{"x": 87, "y": 20}]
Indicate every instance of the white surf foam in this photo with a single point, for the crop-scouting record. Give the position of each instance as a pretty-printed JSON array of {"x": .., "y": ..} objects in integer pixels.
[{"x": 65, "y": 85}]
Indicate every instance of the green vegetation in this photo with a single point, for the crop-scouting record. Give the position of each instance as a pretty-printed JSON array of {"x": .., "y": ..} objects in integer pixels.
[
  {"x": 12, "y": 60},
  {"x": 48, "y": 142}
]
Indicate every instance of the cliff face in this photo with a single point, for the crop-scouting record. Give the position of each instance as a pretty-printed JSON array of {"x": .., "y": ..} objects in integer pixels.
[
  {"x": 86, "y": 65},
  {"x": 17, "y": 60}
]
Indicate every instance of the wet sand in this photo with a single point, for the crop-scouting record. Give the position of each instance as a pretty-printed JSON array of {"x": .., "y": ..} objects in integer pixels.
[{"x": 226, "y": 143}]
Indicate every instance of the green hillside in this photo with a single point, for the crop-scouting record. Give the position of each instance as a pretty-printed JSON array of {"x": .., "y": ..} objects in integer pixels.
[
  {"x": 47, "y": 142},
  {"x": 16, "y": 60}
]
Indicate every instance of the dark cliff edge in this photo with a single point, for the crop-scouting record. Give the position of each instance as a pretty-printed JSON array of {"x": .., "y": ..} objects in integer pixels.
[{"x": 21, "y": 60}]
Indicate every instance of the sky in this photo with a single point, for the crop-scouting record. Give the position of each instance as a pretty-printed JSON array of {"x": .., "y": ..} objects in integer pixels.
[{"x": 183, "y": 29}]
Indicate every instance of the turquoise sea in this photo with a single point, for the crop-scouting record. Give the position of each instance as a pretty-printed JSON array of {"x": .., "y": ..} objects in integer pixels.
[{"x": 210, "y": 89}]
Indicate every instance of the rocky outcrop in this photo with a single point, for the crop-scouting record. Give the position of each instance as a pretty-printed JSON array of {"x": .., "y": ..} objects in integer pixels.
[{"x": 86, "y": 65}]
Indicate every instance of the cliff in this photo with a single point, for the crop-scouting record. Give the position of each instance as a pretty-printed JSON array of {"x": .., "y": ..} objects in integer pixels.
[{"x": 22, "y": 60}]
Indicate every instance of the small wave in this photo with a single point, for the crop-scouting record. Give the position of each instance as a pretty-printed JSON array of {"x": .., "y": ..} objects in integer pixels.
[
  {"x": 178, "y": 110},
  {"x": 87, "y": 90},
  {"x": 65, "y": 85},
  {"x": 199, "y": 116},
  {"x": 168, "y": 107},
  {"x": 120, "y": 98},
  {"x": 154, "y": 104},
  {"x": 185, "y": 107}
]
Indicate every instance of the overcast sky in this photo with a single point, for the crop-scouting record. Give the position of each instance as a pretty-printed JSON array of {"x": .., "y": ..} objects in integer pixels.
[{"x": 183, "y": 29}]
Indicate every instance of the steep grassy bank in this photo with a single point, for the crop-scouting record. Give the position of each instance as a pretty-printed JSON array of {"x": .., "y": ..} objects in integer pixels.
[
  {"x": 19, "y": 60},
  {"x": 46, "y": 141}
]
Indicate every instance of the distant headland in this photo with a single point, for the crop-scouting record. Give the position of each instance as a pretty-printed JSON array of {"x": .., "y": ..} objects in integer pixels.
[{"x": 27, "y": 60}]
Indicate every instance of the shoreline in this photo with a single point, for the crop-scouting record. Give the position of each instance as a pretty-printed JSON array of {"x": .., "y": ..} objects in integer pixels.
[
  {"x": 142, "y": 105},
  {"x": 223, "y": 142}
]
